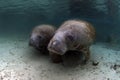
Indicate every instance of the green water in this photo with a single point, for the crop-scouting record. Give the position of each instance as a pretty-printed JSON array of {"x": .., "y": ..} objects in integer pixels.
[
  {"x": 20, "y": 16},
  {"x": 19, "y": 61}
]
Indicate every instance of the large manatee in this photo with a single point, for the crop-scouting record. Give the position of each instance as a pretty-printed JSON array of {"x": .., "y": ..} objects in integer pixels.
[{"x": 72, "y": 35}]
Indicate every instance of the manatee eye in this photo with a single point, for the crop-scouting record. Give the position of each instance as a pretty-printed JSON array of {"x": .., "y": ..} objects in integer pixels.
[
  {"x": 70, "y": 37},
  {"x": 40, "y": 37}
]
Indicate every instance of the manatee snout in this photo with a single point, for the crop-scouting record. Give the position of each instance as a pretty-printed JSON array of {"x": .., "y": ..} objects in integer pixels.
[
  {"x": 57, "y": 47},
  {"x": 35, "y": 41}
]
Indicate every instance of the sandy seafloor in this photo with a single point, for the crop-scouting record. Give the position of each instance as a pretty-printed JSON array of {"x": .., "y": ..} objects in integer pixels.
[{"x": 18, "y": 61}]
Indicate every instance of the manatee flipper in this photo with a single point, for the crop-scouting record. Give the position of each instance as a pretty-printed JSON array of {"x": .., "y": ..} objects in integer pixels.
[
  {"x": 56, "y": 58},
  {"x": 86, "y": 52}
]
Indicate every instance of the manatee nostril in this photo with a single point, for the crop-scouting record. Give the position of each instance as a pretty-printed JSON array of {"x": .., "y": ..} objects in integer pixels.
[{"x": 55, "y": 43}]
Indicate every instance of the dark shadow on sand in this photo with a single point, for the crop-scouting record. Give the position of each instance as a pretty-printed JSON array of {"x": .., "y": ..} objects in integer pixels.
[{"x": 72, "y": 58}]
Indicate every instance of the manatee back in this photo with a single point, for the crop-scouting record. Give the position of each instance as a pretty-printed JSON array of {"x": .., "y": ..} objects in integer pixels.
[
  {"x": 45, "y": 30},
  {"x": 83, "y": 31}
]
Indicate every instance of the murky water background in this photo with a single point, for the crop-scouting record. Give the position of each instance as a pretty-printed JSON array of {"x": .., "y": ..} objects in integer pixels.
[
  {"x": 20, "y": 16},
  {"x": 18, "y": 61}
]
